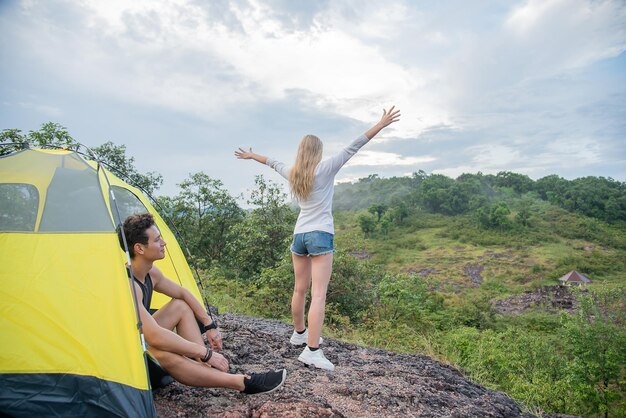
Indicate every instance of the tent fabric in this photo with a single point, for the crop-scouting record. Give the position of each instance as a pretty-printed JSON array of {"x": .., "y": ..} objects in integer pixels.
[
  {"x": 69, "y": 395},
  {"x": 68, "y": 322}
]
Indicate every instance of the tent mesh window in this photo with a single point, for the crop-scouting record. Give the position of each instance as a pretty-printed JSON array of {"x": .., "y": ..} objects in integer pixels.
[
  {"x": 18, "y": 207},
  {"x": 74, "y": 202},
  {"x": 127, "y": 203}
]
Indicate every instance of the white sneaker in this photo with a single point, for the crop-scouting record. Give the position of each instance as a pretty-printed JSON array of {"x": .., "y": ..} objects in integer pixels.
[
  {"x": 299, "y": 339},
  {"x": 315, "y": 358}
]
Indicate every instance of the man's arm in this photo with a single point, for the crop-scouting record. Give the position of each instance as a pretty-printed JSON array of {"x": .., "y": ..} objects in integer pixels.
[
  {"x": 164, "y": 285},
  {"x": 166, "y": 340}
]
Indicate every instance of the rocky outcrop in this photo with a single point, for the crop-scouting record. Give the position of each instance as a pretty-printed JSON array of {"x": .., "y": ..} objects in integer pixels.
[
  {"x": 546, "y": 298},
  {"x": 366, "y": 382},
  {"x": 473, "y": 271}
]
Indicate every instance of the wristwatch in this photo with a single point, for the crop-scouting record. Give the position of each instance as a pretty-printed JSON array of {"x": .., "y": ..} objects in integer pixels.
[{"x": 212, "y": 325}]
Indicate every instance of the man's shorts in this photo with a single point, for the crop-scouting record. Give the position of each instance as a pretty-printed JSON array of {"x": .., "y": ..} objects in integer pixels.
[{"x": 313, "y": 243}]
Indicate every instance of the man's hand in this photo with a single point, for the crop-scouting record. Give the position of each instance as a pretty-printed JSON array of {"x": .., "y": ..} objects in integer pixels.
[
  {"x": 219, "y": 362},
  {"x": 215, "y": 339}
]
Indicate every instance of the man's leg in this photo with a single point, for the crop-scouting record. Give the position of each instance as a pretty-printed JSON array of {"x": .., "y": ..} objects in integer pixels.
[
  {"x": 321, "y": 270},
  {"x": 177, "y": 314},
  {"x": 192, "y": 373},
  {"x": 302, "y": 274}
]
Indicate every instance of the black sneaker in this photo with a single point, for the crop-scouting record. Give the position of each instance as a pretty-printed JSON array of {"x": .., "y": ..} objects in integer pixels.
[{"x": 264, "y": 382}]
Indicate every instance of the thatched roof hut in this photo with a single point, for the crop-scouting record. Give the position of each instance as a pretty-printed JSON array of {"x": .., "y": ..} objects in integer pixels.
[{"x": 574, "y": 277}]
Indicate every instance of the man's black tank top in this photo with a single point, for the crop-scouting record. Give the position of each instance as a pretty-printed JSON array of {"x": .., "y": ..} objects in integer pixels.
[{"x": 146, "y": 289}]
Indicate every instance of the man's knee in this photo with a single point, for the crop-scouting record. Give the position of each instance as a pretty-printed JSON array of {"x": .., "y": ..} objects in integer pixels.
[
  {"x": 168, "y": 361},
  {"x": 180, "y": 306}
]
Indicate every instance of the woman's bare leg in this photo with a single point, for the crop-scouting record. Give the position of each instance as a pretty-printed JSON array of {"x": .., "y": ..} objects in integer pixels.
[
  {"x": 321, "y": 270},
  {"x": 302, "y": 274}
]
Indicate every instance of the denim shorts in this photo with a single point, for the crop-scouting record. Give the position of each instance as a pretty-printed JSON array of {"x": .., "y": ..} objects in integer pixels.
[{"x": 313, "y": 243}]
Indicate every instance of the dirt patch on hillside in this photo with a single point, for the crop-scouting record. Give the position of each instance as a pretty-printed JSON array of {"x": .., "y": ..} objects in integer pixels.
[
  {"x": 547, "y": 298},
  {"x": 421, "y": 272},
  {"x": 473, "y": 271},
  {"x": 366, "y": 382},
  {"x": 360, "y": 254}
]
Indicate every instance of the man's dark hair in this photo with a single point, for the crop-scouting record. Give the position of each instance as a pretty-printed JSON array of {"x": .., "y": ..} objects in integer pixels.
[{"x": 135, "y": 227}]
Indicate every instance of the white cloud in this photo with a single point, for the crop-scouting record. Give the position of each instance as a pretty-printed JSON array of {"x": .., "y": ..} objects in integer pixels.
[
  {"x": 560, "y": 34},
  {"x": 47, "y": 110},
  {"x": 517, "y": 86},
  {"x": 377, "y": 158},
  {"x": 141, "y": 51}
]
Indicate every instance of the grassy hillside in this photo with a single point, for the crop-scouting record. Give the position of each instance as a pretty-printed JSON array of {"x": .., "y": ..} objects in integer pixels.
[
  {"x": 513, "y": 260},
  {"x": 411, "y": 275}
]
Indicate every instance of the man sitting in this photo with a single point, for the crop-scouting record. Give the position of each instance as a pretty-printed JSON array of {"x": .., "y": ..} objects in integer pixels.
[{"x": 183, "y": 354}]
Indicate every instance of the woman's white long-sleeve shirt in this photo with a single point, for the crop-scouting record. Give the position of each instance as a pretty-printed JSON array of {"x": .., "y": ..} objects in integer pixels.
[{"x": 316, "y": 211}]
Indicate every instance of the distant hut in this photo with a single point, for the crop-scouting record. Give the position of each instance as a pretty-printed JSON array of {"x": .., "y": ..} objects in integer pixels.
[{"x": 574, "y": 277}]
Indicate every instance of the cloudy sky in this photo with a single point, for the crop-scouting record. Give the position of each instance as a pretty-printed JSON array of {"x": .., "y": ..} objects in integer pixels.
[{"x": 533, "y": 86}]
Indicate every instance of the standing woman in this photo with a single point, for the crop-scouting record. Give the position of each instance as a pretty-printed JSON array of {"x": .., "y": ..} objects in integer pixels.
[{"x": 312, "y": 184}]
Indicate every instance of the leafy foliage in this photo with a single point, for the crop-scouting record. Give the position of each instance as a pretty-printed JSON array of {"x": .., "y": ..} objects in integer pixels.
[
  {"x": 597, "y": 197},
  {"x": 56, "y": 136},
  {"x": 50, "y": 134},
  {"x": 115, "y": 157},
  {"x": 367, "y": 223},
  {"x": 206, "y": 214},
  {"x": 263, "y": 237},
  {"x": 597, "y": 343}
]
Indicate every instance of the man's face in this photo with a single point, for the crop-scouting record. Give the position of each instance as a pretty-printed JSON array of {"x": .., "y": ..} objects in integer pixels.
[{"x": 155, "y": 248}]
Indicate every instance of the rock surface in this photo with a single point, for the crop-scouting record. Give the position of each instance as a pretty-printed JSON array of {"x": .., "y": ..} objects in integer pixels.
[
  {"x": 550, "y": 299},
  {"x": 473, "y": 271},
  {"x": 366, "y": 382}
]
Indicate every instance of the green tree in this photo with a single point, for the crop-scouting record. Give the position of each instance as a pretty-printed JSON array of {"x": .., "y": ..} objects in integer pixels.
[
  {"x": 205, "y": 214},
  {"x": 262, "y": 239},
  {"x": 385, "y": 224},
  {"x": 115, "y": 157},
  {"x": 378, "y": 210},
  {"x": 497, "y": 216},
  {"x": 444, "y": 195},
  {"x": 597, "y": 344},
  {"x": 523, "y": 214},
  {"x": 551, "y": 187},
  {"x": 50, "y": 134},
  {"x": 367, "y": 223},
  {"x": 521, "y": 183},
  {"x": 406, "y": 299}
]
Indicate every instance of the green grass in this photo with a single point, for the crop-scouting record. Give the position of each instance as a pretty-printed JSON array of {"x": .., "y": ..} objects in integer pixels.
[{"x": 513, "y": 261}]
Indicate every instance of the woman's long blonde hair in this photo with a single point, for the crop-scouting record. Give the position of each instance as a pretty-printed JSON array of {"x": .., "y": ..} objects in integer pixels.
[{"x": 301, "y": 175}]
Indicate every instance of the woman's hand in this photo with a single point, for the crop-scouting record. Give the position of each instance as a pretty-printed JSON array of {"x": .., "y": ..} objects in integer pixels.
[
  {"x": 243, "y": 154},
  {"x": 389, "y": 117},
  {"x": 249, "y": 155}
]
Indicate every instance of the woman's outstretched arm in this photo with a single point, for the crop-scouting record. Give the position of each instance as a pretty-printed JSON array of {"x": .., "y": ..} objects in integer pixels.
[
  {"x": 276, "y": 165},
  {"x": 249, "y": 155},
  {"x": 387, "y": 119}
]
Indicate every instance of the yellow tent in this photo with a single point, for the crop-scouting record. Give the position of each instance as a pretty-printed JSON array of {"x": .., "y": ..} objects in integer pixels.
[{"x": 69, "y": 339}]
